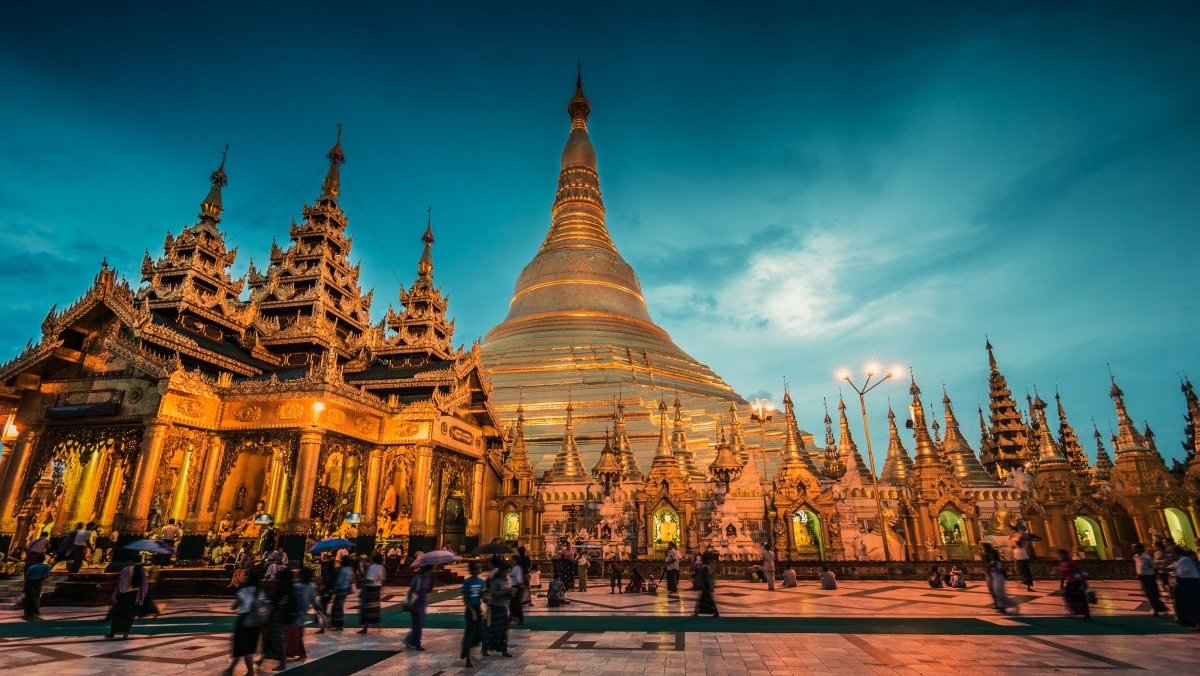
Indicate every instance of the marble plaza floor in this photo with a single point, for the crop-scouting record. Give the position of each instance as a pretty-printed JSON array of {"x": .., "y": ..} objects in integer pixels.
[{"x": 861, "y": 628}]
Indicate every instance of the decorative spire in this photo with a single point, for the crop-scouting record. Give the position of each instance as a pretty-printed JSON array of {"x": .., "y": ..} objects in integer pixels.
[
  {"x": 1010, "y": 434},
  {"x": 425, "y": 264},
  {"x": 1069, "y": 441},
  {"x": 829, "y": 442},
  {"x": 211, "y": 207},
  {"x": 1104, "y": 463},
  {"x": 793, "y": 445},
  {"x": 897, "y": 465},
  {"x": 1128, "y": 437},
  {"x": 958, "y": 452},
  {"x": 608, "y": 468},
  {"x": 518, "y": 459},
  {"x": 568, "y": 465},
  {"x": 664, "y": 443},
  {"x": 927, "y": 453},
  {"x": 1191, "y": 434},
  {"x": 679, "y": 445},
  {"x": 725, "y": 466},
  {"x": 332, "y": 185},
  {"x": 737, "y": 439},
  {"x": 628, "y": 461},
  {"x": 1149, "y": 436},
  {"x": 848, "y": 452},
  {"x": 1048, "y": 450}
]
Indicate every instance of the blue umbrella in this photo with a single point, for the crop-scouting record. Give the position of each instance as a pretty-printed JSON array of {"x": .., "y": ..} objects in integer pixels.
[
  {"x": 331, "y": 544},
  {"x": 152, "y": 546}
]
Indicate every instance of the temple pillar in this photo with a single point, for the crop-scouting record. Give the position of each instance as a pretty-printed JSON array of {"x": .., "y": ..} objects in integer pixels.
[
  {"x": 421, "y": 502},
  {"x": 1110, "y": 545},
  {"x": 299, "y": 512},
  {"x": 367, "y": 529},
  {"x": 83, "y": 503},
  {"x": 10, "y": 486},
  {"x": 132, "y": 521},
  {"x": 112, "y": 494},
  {"x": 179, "y": 496},
  {"x": 475, "y": 517},
  {"x": 208, "y": 477}
]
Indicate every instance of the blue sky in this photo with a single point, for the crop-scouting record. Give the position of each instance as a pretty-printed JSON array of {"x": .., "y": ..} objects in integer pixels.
[{"x": 799, "y": 188}]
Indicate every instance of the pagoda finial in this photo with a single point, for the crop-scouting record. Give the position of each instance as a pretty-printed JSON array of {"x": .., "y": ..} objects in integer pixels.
[
  {"x": 897, "y": 464},
  {"x": 926, "y": 450},
  {"x": 1128, "y": 437},
  {"x": 425, "y": 265},
  {"x": 579, "y": 107},
  {"x": 211, "y": 207},
  {"x": 991, "y": 356},
  {"x": 332, "y": 185}
]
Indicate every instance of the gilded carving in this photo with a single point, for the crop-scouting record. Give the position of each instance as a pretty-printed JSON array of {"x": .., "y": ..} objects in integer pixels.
[
  {"x": 249, "y": 413},
  {"x": 189, "y": 408},
  {"x": 291, "y": 410}
]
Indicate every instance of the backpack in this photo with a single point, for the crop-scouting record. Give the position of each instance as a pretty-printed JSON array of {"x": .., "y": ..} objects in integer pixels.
[{"x": 260, "y": 611}]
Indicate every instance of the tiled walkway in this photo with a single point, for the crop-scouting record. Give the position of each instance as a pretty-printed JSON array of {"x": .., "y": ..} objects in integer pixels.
[{"x": 864, "y": 627}]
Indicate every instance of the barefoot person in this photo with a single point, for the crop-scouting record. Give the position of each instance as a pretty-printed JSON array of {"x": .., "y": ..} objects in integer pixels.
[{"x": 472, "y": 595}]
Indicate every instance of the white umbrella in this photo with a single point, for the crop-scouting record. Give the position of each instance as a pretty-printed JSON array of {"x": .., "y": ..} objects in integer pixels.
[{"x": 436, "y": 557}]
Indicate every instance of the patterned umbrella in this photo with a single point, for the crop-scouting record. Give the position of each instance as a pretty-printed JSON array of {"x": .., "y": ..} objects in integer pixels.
[{"x": 434, "y": 558}]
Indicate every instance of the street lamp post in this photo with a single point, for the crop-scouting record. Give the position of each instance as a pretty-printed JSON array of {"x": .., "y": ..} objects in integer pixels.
[{"x": 869, "y": 384}]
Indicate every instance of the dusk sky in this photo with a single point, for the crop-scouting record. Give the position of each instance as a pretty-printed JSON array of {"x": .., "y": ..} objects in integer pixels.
[{"x": 799, "y": 189}]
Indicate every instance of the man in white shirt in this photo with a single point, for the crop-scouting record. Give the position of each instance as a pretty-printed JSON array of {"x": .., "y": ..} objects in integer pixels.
[
  {"x": 169, "y": 535},
  {"x": 1020, "y": 554},
  {"x": 672, "y": 567},
  {"x": 1147, "y": 575}
]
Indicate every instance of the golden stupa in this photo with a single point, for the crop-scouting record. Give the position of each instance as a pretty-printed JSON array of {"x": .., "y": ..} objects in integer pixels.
[{"x": 578, "y": 331}]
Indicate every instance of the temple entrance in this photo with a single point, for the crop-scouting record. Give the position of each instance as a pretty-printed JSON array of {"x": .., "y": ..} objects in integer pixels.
[
  {"x": 1090, "y": 538},
  {"x": 454, "y": 523},
  {"x": 1180, "y": 527},
  {"x": 666, "y": 527},
  {"x": 510, "y": 528},
  {"x": 952, "y": 532},
  {"x": 806, "y": 535}
]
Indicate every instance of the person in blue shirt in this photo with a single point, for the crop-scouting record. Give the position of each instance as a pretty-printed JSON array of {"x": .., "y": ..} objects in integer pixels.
[
  {"x": 472, "y": 593},
  {"x": 35, "y": 574}
]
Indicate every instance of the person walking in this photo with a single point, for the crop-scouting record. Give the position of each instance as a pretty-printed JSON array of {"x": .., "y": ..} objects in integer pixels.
[
  {"x": 1073, "y": 583},
  {"x": 472, "y": 595},
  {"x": 768, "y": 567},
  {"x": 672, "y": 567},
  {"x": 328, "y": 567},
  {"x": 707, "y": 603},
  {"x": 82, "y": 543},
  {"x": 36, "y": 573},
  {"x": 996, "y": 579},
  {"x": 283, "y": 615},
  {"x": 499, "y": 591},
  {"x": 583, "y": 562},
  {"x": 253, "y": 610},
  {"x": 615, "y": 571},
  {"x": 1187, "y": 587},
  {"x": 1163, "y": 557},
  {"x": 697, "y": 564},
  {"x": 518, "y": 581},
  {"x": 169, "y": 536},
  {"x": 1143, "y": 567},
  {"x": 343, "y": 584},
  {"x": 422, "y": 584},
  {"x": 305, "y": 594},
  {"x": 132, "y": 587},
  {"x": 1020, "y": 554},
  {"x": 369, "y": 594}
]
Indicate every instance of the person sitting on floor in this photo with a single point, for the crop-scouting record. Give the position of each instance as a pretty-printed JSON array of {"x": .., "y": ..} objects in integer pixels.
[
  {"x": 827, "y": 578},
  {"x": 957, "y": 579},
  {"x": 637, "y": 583},
  {"x": 935, "y": 578},
  {"x": 789, "y": 576},
  {"x": 557, "y": 594},
  {"x": 652, "y": 585}
]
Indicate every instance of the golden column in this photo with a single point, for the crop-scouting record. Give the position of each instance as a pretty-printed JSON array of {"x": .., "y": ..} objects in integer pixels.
[
  {"x": 112, "y": 494},
  {"x": 300, "y": 509},
  {"x": 421, "y": 505},
  {"x": 371, "y": 503},
  {"x": 137, "y": 506},
  {"x": 204, "y": 514},
  {"x": 475, "y": 520},
  {"x": 17, "y": 465}
]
